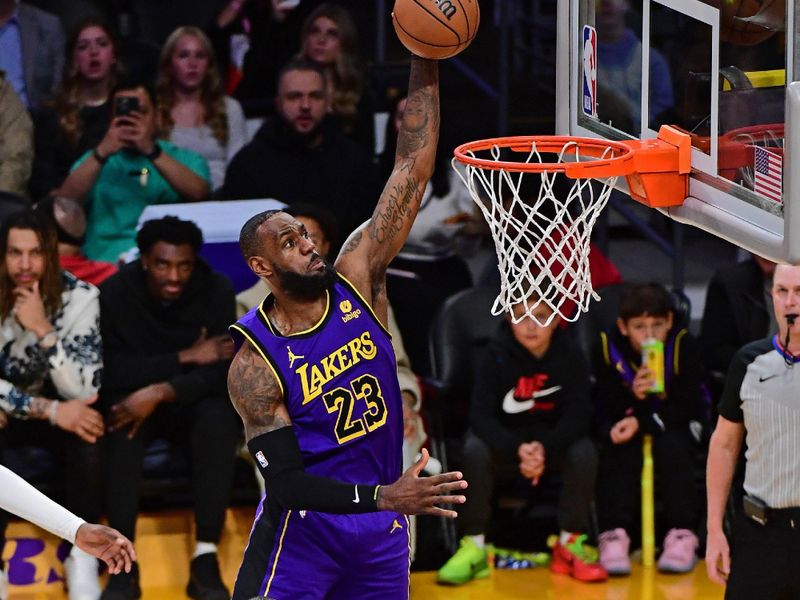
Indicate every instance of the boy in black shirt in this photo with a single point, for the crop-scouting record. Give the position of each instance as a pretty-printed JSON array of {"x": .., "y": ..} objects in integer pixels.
[
  {"x": 627, "y": 409},
  {"x": 530, "y": 415}
]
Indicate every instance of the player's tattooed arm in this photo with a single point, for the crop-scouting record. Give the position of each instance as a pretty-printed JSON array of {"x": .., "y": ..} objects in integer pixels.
[
  {"x": 369, "y": 250},
  {"x": 255, "y": 394}
]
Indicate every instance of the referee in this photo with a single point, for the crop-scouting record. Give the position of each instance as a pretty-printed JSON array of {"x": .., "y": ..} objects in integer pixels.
[{"x": 760, "y": 406}]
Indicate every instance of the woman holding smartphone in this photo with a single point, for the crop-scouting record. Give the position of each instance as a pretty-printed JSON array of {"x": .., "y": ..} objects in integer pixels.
[
  {"x": 78, "y": 118},
  {"x": 193, "y": 111}
]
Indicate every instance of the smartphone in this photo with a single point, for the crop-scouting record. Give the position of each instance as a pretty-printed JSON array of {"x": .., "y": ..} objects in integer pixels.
[{"x": 125, "y": 105}]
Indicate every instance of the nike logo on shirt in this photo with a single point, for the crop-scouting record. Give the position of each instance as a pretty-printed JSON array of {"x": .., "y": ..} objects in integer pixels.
[
  {"x": 513, "y": 406},
  {"x": 763, "y": 379}
]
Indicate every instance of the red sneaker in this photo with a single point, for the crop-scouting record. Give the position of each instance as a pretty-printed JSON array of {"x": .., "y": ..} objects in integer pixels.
[{"x": 577, "y": 560}]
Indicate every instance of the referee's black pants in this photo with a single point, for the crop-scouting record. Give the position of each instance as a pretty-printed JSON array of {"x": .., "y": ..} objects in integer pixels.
[
  {"x": 210, "y": 430},
  {"x": 764, "y": 558}
]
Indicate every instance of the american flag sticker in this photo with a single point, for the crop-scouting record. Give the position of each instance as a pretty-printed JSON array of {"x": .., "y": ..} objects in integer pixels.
[
  {"x": 768, "y": 173},
  {"x": 589, "y": 98}
]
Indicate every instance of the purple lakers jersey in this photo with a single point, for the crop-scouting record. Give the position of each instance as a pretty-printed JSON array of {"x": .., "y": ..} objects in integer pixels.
[{"x": 339, "y": 384}]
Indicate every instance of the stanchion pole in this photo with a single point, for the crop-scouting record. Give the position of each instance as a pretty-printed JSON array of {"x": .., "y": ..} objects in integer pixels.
[{"x": 648, "y": 504}]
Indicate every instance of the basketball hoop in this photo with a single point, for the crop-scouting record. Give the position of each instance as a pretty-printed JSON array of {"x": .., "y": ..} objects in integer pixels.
[{"x": 542, "y": 238}]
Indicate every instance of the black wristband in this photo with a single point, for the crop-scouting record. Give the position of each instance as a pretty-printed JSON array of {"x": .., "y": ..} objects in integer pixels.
[
  {"x": 278, "y": 458},
  {"x": 99, "y": 157},
  {"x": 154, "y": 153}
]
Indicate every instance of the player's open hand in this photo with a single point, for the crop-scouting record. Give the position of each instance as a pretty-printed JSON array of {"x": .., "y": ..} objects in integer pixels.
[
  {"x": 415, "y": 495},
  {"x": 107, "y": 544}
]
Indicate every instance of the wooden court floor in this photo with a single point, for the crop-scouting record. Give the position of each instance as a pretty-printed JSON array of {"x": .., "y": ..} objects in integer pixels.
[{"x": 164, "y": 544}]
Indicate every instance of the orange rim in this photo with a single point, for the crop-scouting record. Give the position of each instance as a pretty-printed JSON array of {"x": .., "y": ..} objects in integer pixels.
[{"x": 620, "y": 161}]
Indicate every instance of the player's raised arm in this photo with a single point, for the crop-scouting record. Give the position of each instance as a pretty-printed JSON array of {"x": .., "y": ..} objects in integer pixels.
[
  {"x": 258, "y": 398},
  {"x": 376, "y": 242}
]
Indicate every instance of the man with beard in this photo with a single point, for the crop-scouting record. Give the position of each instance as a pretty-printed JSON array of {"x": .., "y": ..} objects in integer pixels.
[
  {"x": 164, "y": 319},
  {"x": 299, "y": 155},
  {"x": 315, "y": 382}
]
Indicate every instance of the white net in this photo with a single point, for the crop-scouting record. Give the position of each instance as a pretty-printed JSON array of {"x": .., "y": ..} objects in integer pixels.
[{"x": 541, "y": 223}]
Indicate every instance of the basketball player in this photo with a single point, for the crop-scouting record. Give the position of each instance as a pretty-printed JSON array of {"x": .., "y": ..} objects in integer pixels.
[{"x": 315, "y": 382}]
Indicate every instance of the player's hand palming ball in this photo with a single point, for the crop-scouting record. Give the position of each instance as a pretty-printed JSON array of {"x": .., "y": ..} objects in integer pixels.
[{"x": 436, "y": 29}]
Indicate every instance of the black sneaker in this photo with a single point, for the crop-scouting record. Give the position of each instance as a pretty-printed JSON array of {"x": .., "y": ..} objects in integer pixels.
[
  {"x": 124, "y": 586},
  {"x": 205, "y": 582}
]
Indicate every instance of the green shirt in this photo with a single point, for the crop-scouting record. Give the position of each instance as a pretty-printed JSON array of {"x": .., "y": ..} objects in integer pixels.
[{"x": 128, "y": 182}]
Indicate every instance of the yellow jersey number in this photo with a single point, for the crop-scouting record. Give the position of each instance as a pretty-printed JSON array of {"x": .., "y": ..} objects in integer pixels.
[{"x": 364, "y": 388}]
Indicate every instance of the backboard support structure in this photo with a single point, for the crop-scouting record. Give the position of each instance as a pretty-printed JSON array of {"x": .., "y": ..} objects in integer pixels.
[{"x": 626, "y": 67}]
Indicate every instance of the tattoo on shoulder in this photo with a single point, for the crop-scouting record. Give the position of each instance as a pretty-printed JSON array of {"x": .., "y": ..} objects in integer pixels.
[{"x": 255, "y": 393}]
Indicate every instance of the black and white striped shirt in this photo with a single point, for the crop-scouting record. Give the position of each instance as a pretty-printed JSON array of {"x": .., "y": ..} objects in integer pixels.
[{"x": 763, "y": 392}]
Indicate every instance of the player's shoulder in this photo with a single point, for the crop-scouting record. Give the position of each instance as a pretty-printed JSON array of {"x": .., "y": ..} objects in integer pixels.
[{"x": 251, "y": 372}]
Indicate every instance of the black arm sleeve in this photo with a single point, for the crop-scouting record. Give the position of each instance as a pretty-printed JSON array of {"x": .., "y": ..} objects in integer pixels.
[{"x": 278, "y": 457}]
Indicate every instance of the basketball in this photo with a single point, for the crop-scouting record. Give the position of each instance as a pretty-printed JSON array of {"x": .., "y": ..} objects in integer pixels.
[
  {"x": 736, "y": 30},
  {"x": 436, "y": 28}
]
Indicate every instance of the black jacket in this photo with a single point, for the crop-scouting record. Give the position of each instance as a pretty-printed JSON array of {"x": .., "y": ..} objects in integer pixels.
[
  {"x": 558, "y": 385},
  {"x": 735, "y": 314},
  {"x": 337, "y": 174},
  {"x": 142, "y": 338}
]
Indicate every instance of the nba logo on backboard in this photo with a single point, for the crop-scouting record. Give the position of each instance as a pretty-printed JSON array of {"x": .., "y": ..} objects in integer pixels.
[{"x": 589, "y": 71}]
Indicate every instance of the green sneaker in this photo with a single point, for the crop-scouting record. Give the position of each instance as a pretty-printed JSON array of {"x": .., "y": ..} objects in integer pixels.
[{"x": 468, "y": 563}]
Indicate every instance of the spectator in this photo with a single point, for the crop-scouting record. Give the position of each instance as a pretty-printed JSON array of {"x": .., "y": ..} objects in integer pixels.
[
  {"x": 129, "y": 170},
  {"x": 164, "y": 325},
  {"x": 16, "y": 141},
  {"x": 627, "y": 410},
  {"x": 530, "y": 417},
  {"x": 193, "y": 110},
  {"x": 31, "y": 51},
  {"x": 738, "y": 310},
  {"x": 50, "y": 369},
  {"x": 70, "y": 223},
  {"x": 300, "y": 156},
  {"x": 329, "y": 39},
  {"x": 78, "y": 118}
]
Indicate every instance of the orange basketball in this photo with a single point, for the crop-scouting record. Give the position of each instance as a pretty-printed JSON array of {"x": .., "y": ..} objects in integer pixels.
[
  {"x": 734, "y": 28},
  {"x": 436, "y": 28}
]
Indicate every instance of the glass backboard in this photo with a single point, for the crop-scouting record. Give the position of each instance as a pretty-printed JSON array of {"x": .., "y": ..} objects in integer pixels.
[{"x": 715, "y": 69}]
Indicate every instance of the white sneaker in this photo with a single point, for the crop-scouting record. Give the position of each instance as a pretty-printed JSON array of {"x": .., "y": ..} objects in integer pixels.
[
  {"x": 3, "y": 586},
  {"x": 80, "y": 569}
]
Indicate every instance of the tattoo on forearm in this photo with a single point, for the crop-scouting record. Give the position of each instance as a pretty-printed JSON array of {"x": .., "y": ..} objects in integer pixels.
[
  {"x": 389, "y": 218},
  {"x": 255, "y": 393}
]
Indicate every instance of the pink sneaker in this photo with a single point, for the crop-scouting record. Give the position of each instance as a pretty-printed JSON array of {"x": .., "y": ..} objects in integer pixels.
[
  {"x": 680, "y": 552},
  {"x": 614, "y": 545}
]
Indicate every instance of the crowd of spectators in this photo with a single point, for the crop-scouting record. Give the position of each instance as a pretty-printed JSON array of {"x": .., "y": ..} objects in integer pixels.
[{"x": 100, "y": 354}]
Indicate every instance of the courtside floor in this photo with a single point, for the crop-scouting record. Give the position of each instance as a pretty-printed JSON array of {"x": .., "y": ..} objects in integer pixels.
[{"x": 164, "y": 546}]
